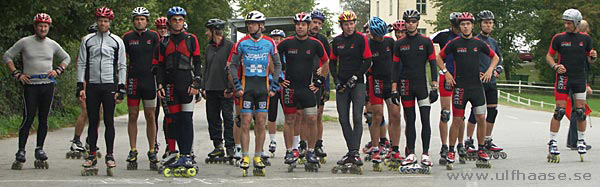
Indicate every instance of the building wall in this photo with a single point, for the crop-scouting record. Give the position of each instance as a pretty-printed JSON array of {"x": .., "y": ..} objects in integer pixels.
[{"x": 391, "y": 10}]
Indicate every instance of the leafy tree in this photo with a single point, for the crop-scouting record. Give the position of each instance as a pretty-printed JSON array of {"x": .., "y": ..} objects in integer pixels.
[{"x": 361, "y": 8}]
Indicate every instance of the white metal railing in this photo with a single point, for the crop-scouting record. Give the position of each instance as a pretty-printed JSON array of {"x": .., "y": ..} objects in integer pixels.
[
  {"x": 519, "y": 85},
  {"x": 511, "y": 98}
]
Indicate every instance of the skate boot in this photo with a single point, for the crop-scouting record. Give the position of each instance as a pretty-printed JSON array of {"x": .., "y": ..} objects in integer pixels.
[
  {"x": 290, "y": 160},
  {"x": 302, "y": 150},
  {"x": 462, "y": 154},
  {"x": 357, "y": 164},
  {"x": 245, "y": 164},
  {"x": 367, "y": 148},
  {"x": 170, "y": 158},
  {"x": 395, "y": 161},
  {"x": 76, "y": 150},
  {"x": 132, "y": 160},
  {"x": 230, "y": 154},
  {"x": 376, "y": 158},
  {"x": 484, "y": 160},
  {"x": 343, "y": 164},
  {"x": 19, "y": 160},
  {"x": 426, "y": 164},
  {"x": 40, "y": 159},
  {"x": 322, "y": 155},
  {"x": 409, "y": 164},
  {"x": 369, "y": 154},
  {"x": 153, "y": 158},
  {"x": 216, "y": 156},
  {"x": 471, "y": 151},
  {"x": 495, "y": 151},
  {"x": 110, "y": 163},
  {"x": 259, "y": 167},
  {"x": 450, "y": 160},
  {"x": 237, "y": 155},
  {"x": 443, "y": 155},
  {"x": 553, "y": 152},
  {"x": 312, "y": 162},
  {"x": 581, "y": 148},
  {"x": 183, "y": 167},
  {"x": 88, "y": 151},
  {"x": 89, "y": 166},
  {"x": 265, "y": 158},
  {"x": 272, "y": 148}
]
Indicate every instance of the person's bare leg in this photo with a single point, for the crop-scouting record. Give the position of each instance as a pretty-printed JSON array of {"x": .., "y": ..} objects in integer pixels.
[
  {"x": 395, "y": 127},
  {"x": 259, "y": 131},
  {"x": 375, "y": 127},
  {"x": 288, "y": 130},
  {"x": 150, "y": 127},
  {"x": 320, "y": 122},
  {"x": 245, "y": 131},
  {"x": 132, "y": 126}
]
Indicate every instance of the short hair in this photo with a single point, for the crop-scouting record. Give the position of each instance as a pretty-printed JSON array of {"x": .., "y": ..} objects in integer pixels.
[{"x": 584, "y": 26}]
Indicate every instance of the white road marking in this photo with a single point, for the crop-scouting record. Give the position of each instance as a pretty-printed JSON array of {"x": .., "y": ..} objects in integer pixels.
[{"x": 511, "y": 117}]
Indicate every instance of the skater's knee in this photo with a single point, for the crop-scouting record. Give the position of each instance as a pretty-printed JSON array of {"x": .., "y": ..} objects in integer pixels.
[
  {"x": 580, "y": 114},
  {"x": 559, "y": 113},
  {"x": 492, "y": 112},
  {"x": 445, "y": 116}
]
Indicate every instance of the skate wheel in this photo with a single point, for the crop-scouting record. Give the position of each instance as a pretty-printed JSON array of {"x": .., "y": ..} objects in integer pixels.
[
  {"x": 323, "y": 160},
  {"x": 244, "y": 173},
  {"x": 449, "y": 166},
  {"x": 442, "y": 161},
  {"x": 109, "y": 172},
  {"x": 167, "y": 172},
  {"x": 272, "y": 154},
  {"x": 192, "y": 172},
  {"x": 177, "y": 172},
  {"x": 334, "y": 170},
  {"x": 290, "y": 168},
  {"x": 68, "y": 155},
  {"x": 581, "y": 157},
  {"x": 503, "y": 155},
  {"x": 495, "y": 155}
]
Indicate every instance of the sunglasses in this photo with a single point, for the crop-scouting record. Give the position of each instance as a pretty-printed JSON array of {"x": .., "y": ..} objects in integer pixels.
[{"x": 412, "y": 21}]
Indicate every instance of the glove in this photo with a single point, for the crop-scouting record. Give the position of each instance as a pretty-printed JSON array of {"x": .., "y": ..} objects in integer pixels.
[
  {"x": 318, "y": 81},
  {"x": 274, "y": 87},
  {"x": 499, "y": 69},
  {"x": 395, "y": 97},
  {"x": 433, "y": 96},
  {"x": 16, "y": 74},
  {"x": 340, "y": 88},
  {"x": 79, "y": 89},
  {"x": 121, "y": 92},
  {"x": 196, "y": 82},
  {"x": 352, "y": 82},
  {"x": 238, "y": 85},
  {"x": 59, "y": 70}
]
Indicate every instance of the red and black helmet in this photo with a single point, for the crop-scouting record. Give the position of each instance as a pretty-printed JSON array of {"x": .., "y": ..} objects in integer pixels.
[
  {"x": 399, "y": 25},
  {"x": 302, "y": 17},
  {"x": 42, "y": 18},
  {"x": 160, "y": 22},
  {"x": 466, "y": 16},
  {"x": 104, "y": 12}
]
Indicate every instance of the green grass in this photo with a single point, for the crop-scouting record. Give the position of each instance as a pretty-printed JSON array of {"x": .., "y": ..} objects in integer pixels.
[
  {"x": 593, "y": 102},
  {"x": 327, "y": 118},
  {"x": 10, "y": 124}
]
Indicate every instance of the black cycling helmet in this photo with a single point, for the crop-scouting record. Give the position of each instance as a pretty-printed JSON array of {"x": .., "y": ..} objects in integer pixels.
[
  {"x": 215, "y": 24},
  {"x": 485, "y": 15},
  {"x": 410, "y": 13}
]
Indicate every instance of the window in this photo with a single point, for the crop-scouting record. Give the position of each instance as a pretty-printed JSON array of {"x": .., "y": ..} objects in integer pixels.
[
  {"x": 422, "y": 31},
  {"x": 422, "y": 6},
  {"x": 377, "y": 8}
]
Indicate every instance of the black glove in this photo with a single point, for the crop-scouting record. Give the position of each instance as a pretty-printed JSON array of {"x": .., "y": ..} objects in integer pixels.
[
  {"x": 499, "y": 69},
  {"x": 340, "y": 88},
  {"x": 196, "y": 82},
  {"x": 16, "y": 74},
  {"x": 79, "y": 89},
  {"x": 121, "y": 92},
  {"x": 395, "y": 97},
  {"x": 318, "y": 81},
  {"x": 351, "y": 82},
  {"x": 59, "y": 70},
  {"x": 433, "y": 96}
]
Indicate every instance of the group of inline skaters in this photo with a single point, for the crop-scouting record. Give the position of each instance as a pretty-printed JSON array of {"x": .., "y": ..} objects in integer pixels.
[{"x": 255, "y": 74}]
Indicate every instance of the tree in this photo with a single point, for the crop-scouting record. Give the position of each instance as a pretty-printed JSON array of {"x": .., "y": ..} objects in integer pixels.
[
  {"x": 276, "y": 8},
  {"x": 361, "y": 8}
]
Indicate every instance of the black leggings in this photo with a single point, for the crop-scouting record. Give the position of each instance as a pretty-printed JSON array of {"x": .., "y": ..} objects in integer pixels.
[
  {"x": 36, "y": 98},
  {"x": 96, "y": 95},
  {"x": 410, "y": 130},
  {"x": 273, "y": 102}
]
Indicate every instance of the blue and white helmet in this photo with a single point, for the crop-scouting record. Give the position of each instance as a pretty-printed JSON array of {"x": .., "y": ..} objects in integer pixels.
[
  {"x": 378, "y": 27},
  {"x": 277, "y": 32}
]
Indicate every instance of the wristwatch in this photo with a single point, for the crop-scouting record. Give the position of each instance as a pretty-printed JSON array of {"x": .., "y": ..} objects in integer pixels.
[{"x": 445, "y": 71}]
